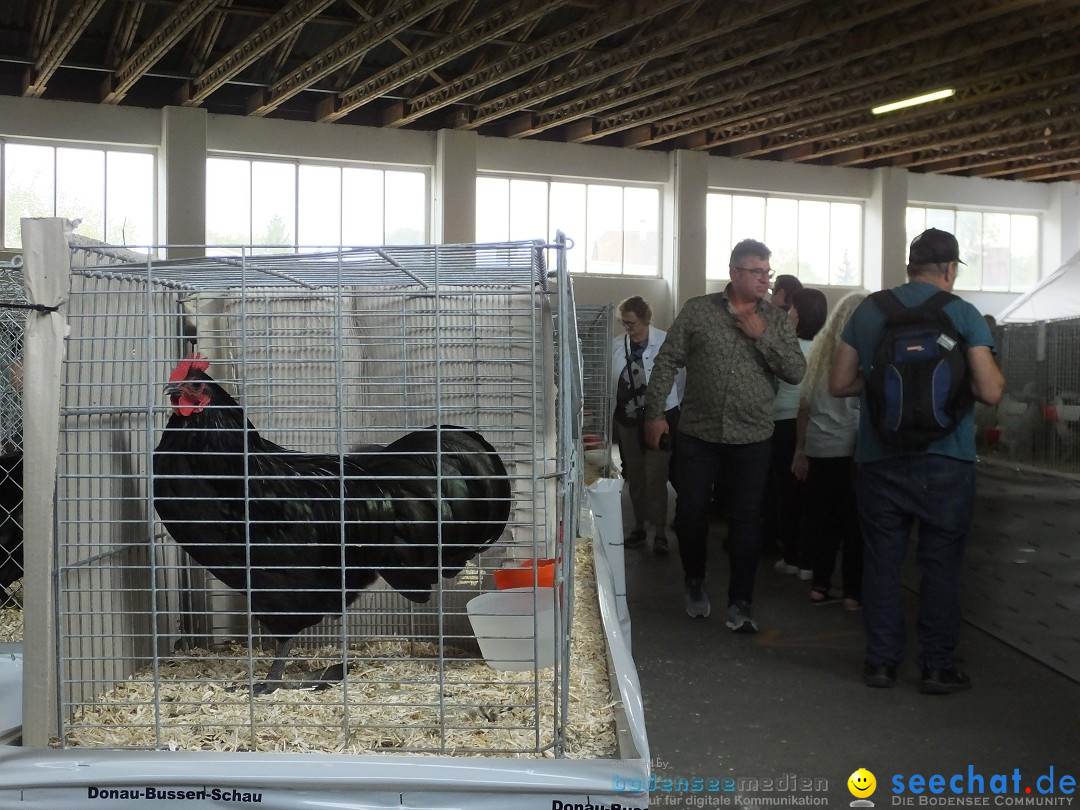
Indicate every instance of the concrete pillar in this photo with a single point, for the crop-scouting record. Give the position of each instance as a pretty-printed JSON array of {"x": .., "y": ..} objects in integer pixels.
[
  {"x": 182, "y": 180},
  {"x": 685, "y": 218},
  {"x": 885, "y": 228},
  {"x": 1061, "y": 227},
  {"x": 454, "y": 187}
]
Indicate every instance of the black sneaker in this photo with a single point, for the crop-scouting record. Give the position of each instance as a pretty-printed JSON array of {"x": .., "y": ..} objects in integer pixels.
[
  {"x": 740, "y": 618},
  {"x": 879, "y": 676},
  {"x": 944, "y": 681},
  {"x": 636, "y": 539},
  {"x": 659, "y": 545},
  {"x": 696, "y": 600}
]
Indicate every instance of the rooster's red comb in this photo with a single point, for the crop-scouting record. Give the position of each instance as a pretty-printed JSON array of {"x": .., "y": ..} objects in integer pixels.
[{"x": 192, "y": 361}]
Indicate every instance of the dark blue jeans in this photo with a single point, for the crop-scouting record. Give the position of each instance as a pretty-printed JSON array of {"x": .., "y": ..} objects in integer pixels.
[
  {"x": 738, "y": 473},
  {"x": 939, "y": 492}
]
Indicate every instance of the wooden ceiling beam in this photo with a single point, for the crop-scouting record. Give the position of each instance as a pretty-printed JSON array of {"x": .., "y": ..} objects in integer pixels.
[
  {"x": 344, "y": 52},
  {"x": 612, "y": 19},
  {"x": 125, "y": 26},
  {"x": 44, "y": 17},
  {"x": 829, "y": 70},
  {"x": 596, "y": 67},
  {"x": 184, "y": 18},
  {"x": 497, "y": 23},
  {"x": 675, "y": 40},
  {"x": 772, "y": 48},
  {"x": 847, "y": 94},
  {"x": 253, "y": 47},
  {"x": 1042, "y": 163},
  {"x": 981, "y": 155},
  {"x": 976, "y": 83},
  {"x": 206, "y": 39},
  {"x": 63, "y": 39},
  {"x": 948, "y": 136},
  {"x": 395, "y": 40},
  {"x": 1068, "y": 170},
  {"x": 276, "y": 64}
]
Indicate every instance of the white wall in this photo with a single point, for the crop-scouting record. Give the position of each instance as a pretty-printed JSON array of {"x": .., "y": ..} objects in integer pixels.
[{"x": 683, "y": 176}]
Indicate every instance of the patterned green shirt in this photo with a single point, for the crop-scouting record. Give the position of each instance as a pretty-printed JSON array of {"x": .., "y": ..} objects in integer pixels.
[{"x": 731, "y": 380}]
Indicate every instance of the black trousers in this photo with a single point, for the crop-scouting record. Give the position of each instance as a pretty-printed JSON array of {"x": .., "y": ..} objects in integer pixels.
[
  {"x": 833, "y": 523},
  {"x": 782, "y": 514},
  {"x": 740, "y": 471}
]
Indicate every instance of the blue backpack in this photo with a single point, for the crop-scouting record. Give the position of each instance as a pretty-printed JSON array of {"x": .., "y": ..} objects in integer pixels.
[{"x": 919, "y": 387}]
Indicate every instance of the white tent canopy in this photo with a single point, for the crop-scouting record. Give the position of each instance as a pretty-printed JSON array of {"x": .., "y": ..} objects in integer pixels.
[{"x": 1056, "y": 296}]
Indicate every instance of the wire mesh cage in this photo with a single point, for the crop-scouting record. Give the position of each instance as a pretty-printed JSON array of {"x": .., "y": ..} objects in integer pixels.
[
  {"x": 12, "y": 323},
  {"x": 1037, "y": 421},
  {"x": 335, "y": 366},
  {"x": 594, "y": 328}
]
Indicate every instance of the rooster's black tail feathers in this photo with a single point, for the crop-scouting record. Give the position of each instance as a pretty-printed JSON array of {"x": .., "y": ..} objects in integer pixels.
[{"x": 437, "y": 534}]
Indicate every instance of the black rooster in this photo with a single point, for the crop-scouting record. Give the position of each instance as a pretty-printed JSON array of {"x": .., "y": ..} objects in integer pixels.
[{"x": 302, "y": 534}]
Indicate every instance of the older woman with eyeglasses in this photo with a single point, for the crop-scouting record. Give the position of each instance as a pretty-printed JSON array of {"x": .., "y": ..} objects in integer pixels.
[{"x": 645, "y": 469}]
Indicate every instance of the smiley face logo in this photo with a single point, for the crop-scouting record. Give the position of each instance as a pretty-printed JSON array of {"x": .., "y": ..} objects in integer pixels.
[{"x": 861, "y": 783}]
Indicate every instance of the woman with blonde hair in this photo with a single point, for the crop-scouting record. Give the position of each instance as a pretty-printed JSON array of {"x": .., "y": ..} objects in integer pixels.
[{"x": 824, "y": 458}]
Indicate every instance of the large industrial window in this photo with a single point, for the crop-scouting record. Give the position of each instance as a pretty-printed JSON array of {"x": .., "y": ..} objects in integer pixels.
[
  {"x": 284, "y": 206},
  {"x": 1000, "y": 250},
  {"x": 615, "y": 228},
  {"x": 110, "y": 192},
  {"x": 820, "y": 241}
]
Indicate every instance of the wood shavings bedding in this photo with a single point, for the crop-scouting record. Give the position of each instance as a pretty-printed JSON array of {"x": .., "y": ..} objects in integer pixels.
[
  {"x": 11, "y": 624},
  {"x": 399, "y": 697},
  {"x": 11, "y": 615}
]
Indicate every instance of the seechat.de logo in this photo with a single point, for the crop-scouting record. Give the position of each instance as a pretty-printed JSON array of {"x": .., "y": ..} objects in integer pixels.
[{"x": 862, "y": 785}]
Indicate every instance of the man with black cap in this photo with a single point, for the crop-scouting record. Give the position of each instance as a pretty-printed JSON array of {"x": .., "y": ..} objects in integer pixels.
[{"x": 934, "y": 485}]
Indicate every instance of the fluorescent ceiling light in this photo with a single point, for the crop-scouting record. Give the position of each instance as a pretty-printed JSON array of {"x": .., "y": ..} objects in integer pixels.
[{"x": 911, "y": 102}]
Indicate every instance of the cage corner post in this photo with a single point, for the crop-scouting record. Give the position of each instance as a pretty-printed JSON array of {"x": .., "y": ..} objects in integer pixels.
[{"x": 47, "y": 280}]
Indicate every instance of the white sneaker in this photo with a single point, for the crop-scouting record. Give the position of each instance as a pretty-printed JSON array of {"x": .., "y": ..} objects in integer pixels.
[
  {"x": 805, "y": 574},
  {"x": 782, "y": 567}
]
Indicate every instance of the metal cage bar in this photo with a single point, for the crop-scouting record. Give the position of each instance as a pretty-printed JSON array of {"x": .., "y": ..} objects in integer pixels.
[
  {"x": 1037, "y": 422},
  {"x": 328, "y": 354},
  {"x": 12, "y": 324},
  {"x": 594, "y": 325}
]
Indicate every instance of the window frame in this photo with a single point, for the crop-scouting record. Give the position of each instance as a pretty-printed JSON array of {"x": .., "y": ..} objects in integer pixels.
[
  {"x": 297, "y": 164},
  {"x": 578, "y": 261},
  {"x": 105, "y": 149},
  {"x": 975, "y": 258},
  {"x": 717, "y": 258}
]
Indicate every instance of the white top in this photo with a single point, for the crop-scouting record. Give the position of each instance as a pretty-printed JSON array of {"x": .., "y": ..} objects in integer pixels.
[
  {"x": 620, "y": 346},
  {"x": 833, "y": 424},
  {"x": 786, "y": 403}
]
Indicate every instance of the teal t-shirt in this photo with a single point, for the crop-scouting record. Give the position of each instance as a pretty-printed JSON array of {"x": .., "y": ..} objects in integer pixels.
[{"x": 861, "y": 333}]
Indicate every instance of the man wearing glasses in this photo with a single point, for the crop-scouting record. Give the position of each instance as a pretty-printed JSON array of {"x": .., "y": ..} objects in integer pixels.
[{"x": 734, "y": 346}]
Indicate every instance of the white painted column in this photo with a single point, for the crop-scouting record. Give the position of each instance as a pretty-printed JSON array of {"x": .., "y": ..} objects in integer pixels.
[
  {"x": 182, "y": 180},
  {"x": 1061, "y": 227},
  {"x": 885, "y": 230},
  {"x": 686, "y": 215},
  {"x": 454, "y": 187}
]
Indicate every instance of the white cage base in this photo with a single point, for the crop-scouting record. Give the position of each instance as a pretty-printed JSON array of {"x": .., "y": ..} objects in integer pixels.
[{"x": 77, "y": 778}]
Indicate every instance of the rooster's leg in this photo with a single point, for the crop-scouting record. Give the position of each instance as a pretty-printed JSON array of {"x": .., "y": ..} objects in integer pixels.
[
  {"x": 277, "y": 669},
  {"x": 314, "y": 680}
]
